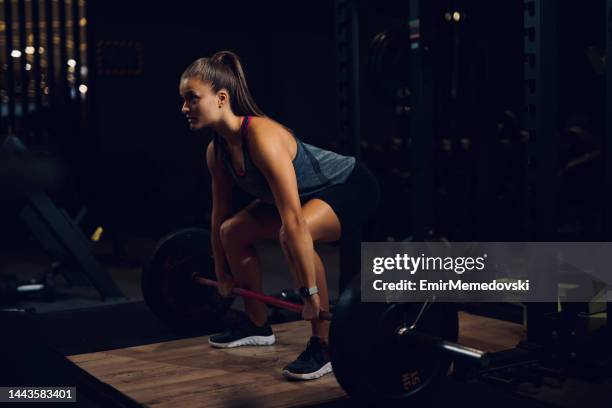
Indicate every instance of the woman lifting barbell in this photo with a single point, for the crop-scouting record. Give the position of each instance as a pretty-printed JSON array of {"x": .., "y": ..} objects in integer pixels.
[{"x": 304, "y": 194}]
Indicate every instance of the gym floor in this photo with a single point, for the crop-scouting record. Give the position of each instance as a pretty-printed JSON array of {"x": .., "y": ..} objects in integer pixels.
[{"x": 188, "y": 372}]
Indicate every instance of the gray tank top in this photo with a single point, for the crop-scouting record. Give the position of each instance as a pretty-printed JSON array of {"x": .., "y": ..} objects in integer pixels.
[{"x": 315, "y": 169}]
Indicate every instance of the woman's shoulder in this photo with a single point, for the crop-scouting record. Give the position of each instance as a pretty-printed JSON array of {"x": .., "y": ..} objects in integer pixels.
[
  {"x": 263, "y": 124},
  {"x": 264, "y": 131},
  {"x": 267, "y": 135}
]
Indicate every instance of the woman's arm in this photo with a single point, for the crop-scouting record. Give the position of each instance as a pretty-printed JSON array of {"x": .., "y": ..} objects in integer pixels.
[
  {"x": 221, "y": 207},
  {"x": 272, "y": 157}
]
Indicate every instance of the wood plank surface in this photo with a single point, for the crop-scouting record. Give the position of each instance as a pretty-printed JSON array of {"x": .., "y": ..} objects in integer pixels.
[{"x": 190, "y": 373}]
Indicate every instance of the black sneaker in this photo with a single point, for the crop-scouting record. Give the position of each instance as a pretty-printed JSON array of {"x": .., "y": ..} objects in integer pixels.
[
  {"x": 246, "y": 334},
  {"x": 311, "y": 364}
]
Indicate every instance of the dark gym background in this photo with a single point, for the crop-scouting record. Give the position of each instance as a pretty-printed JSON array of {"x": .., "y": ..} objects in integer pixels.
[
  {"x": 134, "y": 155},
  {"x": 130, "y": 159}
]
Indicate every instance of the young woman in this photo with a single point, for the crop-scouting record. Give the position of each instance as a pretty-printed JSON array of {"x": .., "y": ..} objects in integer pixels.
[{"x": 303, "y": 195}]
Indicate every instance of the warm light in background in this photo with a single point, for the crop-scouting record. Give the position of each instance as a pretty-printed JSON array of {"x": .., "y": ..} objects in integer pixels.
[
  {"x": 40, "y": 44},
  {"x": 455, "y": 16}
]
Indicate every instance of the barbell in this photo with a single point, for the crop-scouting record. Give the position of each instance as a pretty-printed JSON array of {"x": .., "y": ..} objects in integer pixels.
[
  {"x": 323, "y": 315},
  {"x": 381, "y": 353}
]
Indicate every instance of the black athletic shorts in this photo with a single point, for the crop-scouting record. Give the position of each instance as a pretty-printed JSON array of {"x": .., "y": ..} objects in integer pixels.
[{"x": 353, "y": 201}]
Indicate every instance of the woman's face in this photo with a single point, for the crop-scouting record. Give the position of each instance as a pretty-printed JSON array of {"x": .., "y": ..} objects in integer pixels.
[{"x": 200, "y": 104}]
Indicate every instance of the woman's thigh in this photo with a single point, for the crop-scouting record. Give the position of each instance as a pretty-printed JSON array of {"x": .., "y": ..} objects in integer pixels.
[
  {"x": 260, "y": 221},
  {"x": 323, "y": 223},
  {"x": 256, "y": 222}
]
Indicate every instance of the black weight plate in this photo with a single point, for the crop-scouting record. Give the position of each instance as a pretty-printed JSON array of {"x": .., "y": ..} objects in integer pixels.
[
  {"x": 368, "y": 359},
  {"x": 167, "y": 281}
]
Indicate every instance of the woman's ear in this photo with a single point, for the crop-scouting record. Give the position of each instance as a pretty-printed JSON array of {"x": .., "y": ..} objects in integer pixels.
[{"x": 222, "y": 97}]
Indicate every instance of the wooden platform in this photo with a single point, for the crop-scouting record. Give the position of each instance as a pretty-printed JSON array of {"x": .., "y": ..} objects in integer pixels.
[{"x": 189, "y": 373}]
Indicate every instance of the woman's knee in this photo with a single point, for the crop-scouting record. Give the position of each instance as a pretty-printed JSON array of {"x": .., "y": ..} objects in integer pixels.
[{"x": 231, "y": 233}]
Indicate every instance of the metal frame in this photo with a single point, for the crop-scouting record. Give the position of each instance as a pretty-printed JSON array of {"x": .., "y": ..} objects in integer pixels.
[
  {"x": 61, "y": 236},
  {"x": 347, "y": 77},
  {"x": 347, "y": 74},
  {"x": 541, "y": 119},
  {"x": 10, "y": 75},
  {"x": 421, "y": 129},
  {"x": 607, "y": 143}
]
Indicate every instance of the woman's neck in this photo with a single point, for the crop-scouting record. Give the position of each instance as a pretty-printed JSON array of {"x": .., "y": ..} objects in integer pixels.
[{"x": 229, "y": 129}]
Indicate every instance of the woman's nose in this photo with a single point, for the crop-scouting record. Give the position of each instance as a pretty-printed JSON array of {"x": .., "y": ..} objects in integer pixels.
[{"x": 184, "y": 108}]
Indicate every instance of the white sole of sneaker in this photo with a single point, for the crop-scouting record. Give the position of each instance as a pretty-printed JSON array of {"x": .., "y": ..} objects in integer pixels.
[
  {"x": 247, "y": 341},
  {"x": 326, "y": 369}
]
